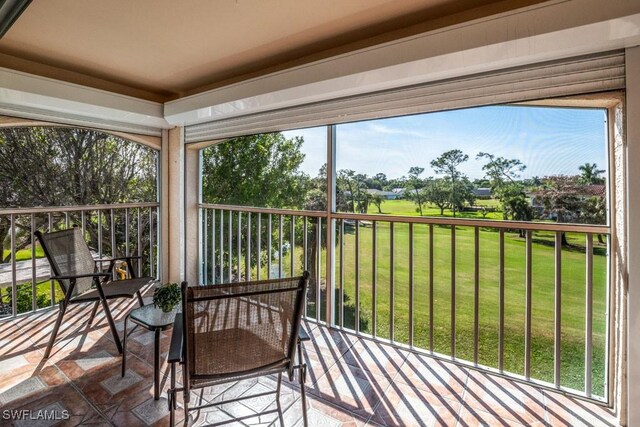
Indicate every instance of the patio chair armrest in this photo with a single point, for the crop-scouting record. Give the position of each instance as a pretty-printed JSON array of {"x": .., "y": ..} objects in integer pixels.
[
  {"x": 120, "y": 258},
  {"x": 80, "y": 276},
  {"x": 303, "y": 335},
  {"x": 175, "y": 351}
]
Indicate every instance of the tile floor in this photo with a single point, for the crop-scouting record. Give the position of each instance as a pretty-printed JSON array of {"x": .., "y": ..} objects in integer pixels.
[{"x": 351, "y": 382}]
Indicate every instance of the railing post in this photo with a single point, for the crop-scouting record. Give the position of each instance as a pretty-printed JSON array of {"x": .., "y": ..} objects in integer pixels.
[
  {"x": 557, "y": 309},
  {"x": 331, "y": 226}
]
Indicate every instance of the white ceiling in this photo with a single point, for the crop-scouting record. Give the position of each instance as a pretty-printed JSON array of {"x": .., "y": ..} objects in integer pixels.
[{"x": 165, "y": 49}]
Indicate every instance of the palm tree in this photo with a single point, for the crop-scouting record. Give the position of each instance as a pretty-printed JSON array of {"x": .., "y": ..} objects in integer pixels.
[{"x": 591, "y": 174}]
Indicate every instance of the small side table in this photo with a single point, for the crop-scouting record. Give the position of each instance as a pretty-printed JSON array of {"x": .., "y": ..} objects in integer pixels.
[{"x": 153, "y": 319}]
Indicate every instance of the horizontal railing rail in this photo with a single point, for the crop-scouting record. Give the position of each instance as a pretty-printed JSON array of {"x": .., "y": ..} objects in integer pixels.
[
  {"x": 512, "y": 297},
  {"x": 113, "y": 229}
]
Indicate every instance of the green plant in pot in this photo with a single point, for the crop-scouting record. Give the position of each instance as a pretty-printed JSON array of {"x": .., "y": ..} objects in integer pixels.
[{"x": 167, "y": 296}]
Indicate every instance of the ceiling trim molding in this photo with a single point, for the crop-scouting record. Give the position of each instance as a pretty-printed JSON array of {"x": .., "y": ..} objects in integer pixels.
[
  {"x": 545, "y": 32},
  {"x": 41, "y": 98}
]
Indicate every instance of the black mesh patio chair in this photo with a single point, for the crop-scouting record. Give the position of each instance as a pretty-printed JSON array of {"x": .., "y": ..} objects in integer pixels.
[
  {"x": 83, "y": 279},
  {"x": 236, "y": 331}
]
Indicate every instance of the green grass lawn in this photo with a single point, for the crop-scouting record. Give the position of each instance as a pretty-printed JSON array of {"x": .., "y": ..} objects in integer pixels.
[
  {"x": 408, "y": 208},
  {"x": 24, "y": 254}
]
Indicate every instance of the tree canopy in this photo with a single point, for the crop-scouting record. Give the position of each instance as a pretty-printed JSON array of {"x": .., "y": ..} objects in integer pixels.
[{"x": 257, "y": 170}]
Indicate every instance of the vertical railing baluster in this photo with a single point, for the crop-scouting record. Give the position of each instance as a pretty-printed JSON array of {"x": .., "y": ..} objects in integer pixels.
[
  {"x": 229, "y": 245},
  {"x": 239, "y": 246},
  {"x": 34, "y": 304},
  {"x": 66, "y": 220},
  {"x": 292, "y": 246},
  {"x": 318, "y": 267},
  {"x": 391, "y": 281},
  {"x": 126, "y": 232},
  {"x": 280, "y": 242},
  {"x": 528, "y": 305},
  {"x": 588, "y": 339},
  {"x": 357, "y": 277},
  {"x": 53, "y": 290},
  {"x": 114, "y": 253},
  {"x": 501, "y": 302},
  {"x": 476, "y": 293},
  {"x": 374, "y": 276},
  {"x": 14, "y": 283},
  {"x": 247, "y": 257},
  {"x": 259, "y": 246},
  {"x": 411, "y": 312},
  {"x": 453, "y": 291},
  {"x": 205, "y": 244},
  {"x": 341, "y": 277},
  {"x": 269, "y": 250},
  {"x": 150, "y": 241},
  {"x": 304, "y": 258},
  {"x": 557, "y": 308},
  {"x": 100, "y": 234},
  {"x": 139, "y": 249},
  {"x": 221, "y": 250},
  {"x": 213, "y": 247},
  {"x": 83, "y": 220},
  {"x": 431, "y": 287}
]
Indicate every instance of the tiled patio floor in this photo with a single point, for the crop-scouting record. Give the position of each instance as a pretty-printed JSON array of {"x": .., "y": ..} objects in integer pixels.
[{"x": 352, "y": 382}]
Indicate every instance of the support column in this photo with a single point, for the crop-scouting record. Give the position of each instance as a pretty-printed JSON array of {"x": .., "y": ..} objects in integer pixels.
[
  {"x": 630, "y": 402},
  {"x": 191, "y": 217},
  {"x": 173, "y": 205}
]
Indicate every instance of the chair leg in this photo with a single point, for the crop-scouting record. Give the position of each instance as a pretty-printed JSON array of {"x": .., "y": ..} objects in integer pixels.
[
  {"x": 278, "y": 399},
  {"x": 303, "y": 395},
  {"x": 172, "y": 396},
  {"x": 63, "y": 308},
  {"x": 124, "y": 347},
  {"x": 186, "y": 412},
  {"x": 112, "y": 325},
  {"x": 140, "y": 301},
  {"x": 93, "y": 312}
]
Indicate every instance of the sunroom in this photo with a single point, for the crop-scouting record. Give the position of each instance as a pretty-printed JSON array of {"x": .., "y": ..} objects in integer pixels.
[{"x": 458, "y": 178}]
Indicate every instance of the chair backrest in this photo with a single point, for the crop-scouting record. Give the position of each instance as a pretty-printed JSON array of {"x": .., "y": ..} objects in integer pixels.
[
  {"x": 68, "y": 255},
  {"x": 237, "y": 329}
]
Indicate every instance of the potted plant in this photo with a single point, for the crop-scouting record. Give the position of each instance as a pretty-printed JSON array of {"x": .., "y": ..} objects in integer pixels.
[{"x": 167, "y": 296}]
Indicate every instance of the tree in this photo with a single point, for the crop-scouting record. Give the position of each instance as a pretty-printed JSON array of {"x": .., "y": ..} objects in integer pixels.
[
  {"x": 377, "y": 200},
  {"x": 414, "y": 186},
  {"x": 447, "y": 165},
  {"x": 57, "y": 166},
  {"x": 594, "y": 211},
  {"x": 257, "y": 170},
  {"x": 560, "y": 198},
  {"x": 503, "y": 174},
  {"x": 437, "y": 192},
  {"x": 353, "y": 187},
  {"x": 591, "y": 174}
]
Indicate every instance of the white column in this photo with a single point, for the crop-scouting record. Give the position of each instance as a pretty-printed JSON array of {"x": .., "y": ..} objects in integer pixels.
[
  {"x": 191, "y": 219},
  {"x": 633, "y": 235},
  {"x": 173, "y": 205}
]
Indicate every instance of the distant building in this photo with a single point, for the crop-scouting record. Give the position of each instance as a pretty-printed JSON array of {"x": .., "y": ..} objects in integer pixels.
[
  {"x": 399, "y": 191},
  {"x": 387, "y": 195},
  {"x": 482, "y": 193}
]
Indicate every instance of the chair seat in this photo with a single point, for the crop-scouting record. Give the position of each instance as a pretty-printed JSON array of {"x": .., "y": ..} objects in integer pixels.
[
  {"x": 115, "y": 289},
  {"x": 214, "y": 359}
]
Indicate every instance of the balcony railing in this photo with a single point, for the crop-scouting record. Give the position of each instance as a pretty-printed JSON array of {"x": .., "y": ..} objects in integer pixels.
[
  {"x": 111, "y": 230},
  {"x": 520, "y": 299}
]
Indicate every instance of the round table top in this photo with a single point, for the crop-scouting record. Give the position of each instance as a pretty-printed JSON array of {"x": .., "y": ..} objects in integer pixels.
[{"x": 153, "y": 317}]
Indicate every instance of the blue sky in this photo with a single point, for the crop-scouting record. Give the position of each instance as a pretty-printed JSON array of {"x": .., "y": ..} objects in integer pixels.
[{"x": 549, "y": 141}]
